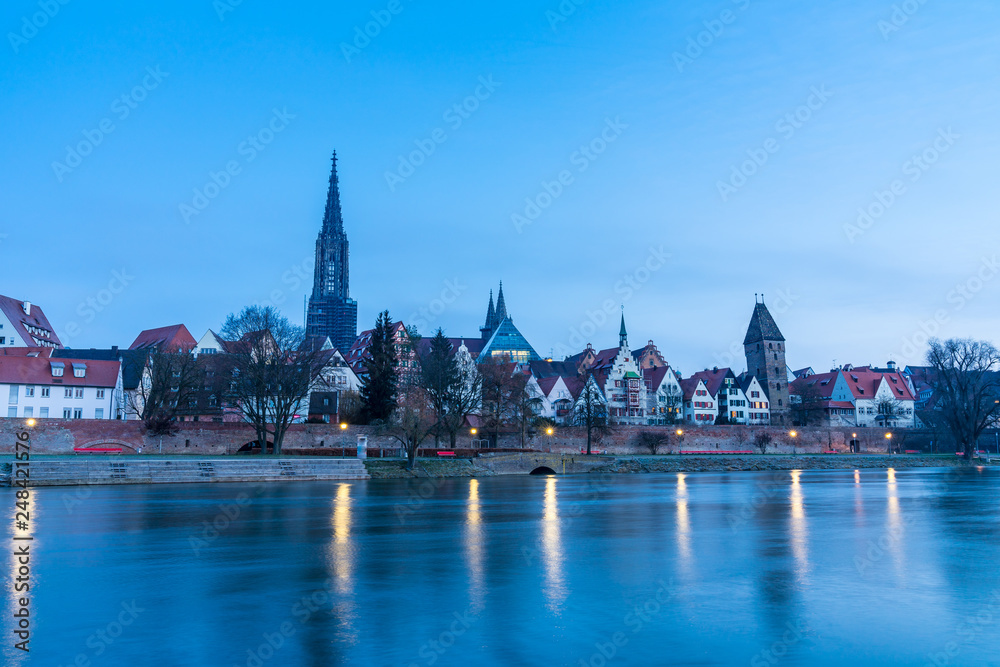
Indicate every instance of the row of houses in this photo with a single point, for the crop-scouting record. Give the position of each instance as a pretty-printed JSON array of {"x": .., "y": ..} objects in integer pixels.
[{"x": 637, "y": 387}]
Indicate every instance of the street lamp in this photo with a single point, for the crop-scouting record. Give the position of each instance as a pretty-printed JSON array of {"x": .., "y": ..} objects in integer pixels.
[
  {"x": 680, "y": 432},
  {"x": 31, "y": 422},
  {"x": 474, "y": 431},
  {"x": 343, "y": 426},
  {"x": 549, "y": 431}
]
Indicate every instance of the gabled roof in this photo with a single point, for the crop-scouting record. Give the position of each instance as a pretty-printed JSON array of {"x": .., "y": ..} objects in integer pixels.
[
  {"x": 14, "y": 311},
  {"x": 654, "y": 377},
  {"x": 133, "y": 361},
  {"x": 507, "y": 339},
  {"x": 606, "y": 358},
  {"x": 165, "y": 339},
  {"x": 714, "y": 379},
  {"x": 821, "y": 384},
  {"x": 689, "y": 386},
  {"x": 38, "y": 371},
  {"x": 745, "y": 381},
  {"x": 473, "y": 345},
  {"x": 762, "y": 327},
  {"x": 864, "y": 383},
  {"x": 546, "y": 369}
]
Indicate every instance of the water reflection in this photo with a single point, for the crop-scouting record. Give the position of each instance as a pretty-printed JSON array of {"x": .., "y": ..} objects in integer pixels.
[
  {"x": 894, "y": 523},
  {"x": 474, "y": 548},
  {"x": 343, "y": 563},
  {"x": 552, "y": 549},
  {"x": 23, "y": 535},
  {"x": 799, "y": 528},
  {"x": 683, "y": 523}
]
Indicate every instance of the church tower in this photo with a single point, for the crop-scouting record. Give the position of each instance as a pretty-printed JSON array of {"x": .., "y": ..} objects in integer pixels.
[
  {"x": 765, "y": 351},
  {"x": 332, "y": 313}
]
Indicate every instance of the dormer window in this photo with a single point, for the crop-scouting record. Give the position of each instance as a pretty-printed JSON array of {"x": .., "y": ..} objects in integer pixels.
[
  {"x": 57, "y": 368},
  {"x": 79, "y": 370}
]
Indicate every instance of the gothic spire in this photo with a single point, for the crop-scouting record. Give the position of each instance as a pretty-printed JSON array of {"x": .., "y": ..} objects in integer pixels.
[
  {"x": 490, "y": 313},
  {"x": 332, "y": 218},
  {"x": 622, "y": 333},
  {"x": 501, "y": 306}
]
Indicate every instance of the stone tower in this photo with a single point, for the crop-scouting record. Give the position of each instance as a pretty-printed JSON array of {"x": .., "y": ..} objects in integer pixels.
[
  {"x": 332, "y": 313},
  {"x": 765, "y": 351}
]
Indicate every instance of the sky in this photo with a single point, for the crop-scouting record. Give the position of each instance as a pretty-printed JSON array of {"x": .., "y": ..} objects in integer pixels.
[{"x": 168, "y": 162}]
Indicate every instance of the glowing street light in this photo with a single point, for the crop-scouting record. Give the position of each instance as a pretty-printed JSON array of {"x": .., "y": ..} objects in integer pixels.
[
  {"x": 31, "y": 422},
  {"x": 343, "y": 426},
  {"x": 549, "y": 431},
  {"x": 680, "y": 431},
  {"x": 474, "y": 431},
  {"x": 793, "y": 434}
]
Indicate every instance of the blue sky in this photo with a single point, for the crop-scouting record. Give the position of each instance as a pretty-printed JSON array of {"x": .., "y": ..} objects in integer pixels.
[{"x": 666, "y": 123}]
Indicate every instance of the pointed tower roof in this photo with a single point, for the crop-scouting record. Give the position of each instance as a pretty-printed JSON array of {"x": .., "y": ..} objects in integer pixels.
[
  {"x": 622, "y": 333},
  {"x": 490, "y": 313},
  {"x": 762, "y": 327},
  {"x": 332, "y": 218},
  {"x": 501, "y": 313},
  {"x": 507, "y": 342}
]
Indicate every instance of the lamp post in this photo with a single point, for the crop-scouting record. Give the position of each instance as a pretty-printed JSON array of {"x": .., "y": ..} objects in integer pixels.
[
  {"x": 794, "y": 435},
  {"x": 855, "y": 445},
  {"x": 888, "y": 440}
]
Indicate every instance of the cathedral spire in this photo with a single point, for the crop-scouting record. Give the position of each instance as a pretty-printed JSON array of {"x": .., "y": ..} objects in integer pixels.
[
  {"x": 501, "y": 307},
  {"x": 333, "y": 219},
  {"x": 490, "y": 313}
]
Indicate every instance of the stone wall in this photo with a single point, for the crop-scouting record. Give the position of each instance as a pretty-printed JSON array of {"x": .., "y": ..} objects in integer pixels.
[{"x": 60, "y": 436}]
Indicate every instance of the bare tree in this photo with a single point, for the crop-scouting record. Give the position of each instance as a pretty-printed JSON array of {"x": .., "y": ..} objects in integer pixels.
[
  {"x": 273, "y": 371},
  {"x": 889, "y": 410},
  {"x": 502, "y": 390},
  {"x": 762, "y": 440},
  {"x": 591, "y": 410},
  {"x": 411, "y": 422},
  {"x": 170, "y": 381},
  {"x": 465, "y": 397},
  {"x": 967, "y": 386},
  {"x": 651, "y": 440},
  {"x": 741, "y": 436},
  {"x": 807, "y": 408}
]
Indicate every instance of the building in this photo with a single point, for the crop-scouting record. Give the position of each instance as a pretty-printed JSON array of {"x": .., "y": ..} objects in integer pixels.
[
  {"x": 725, "y": 391},
  {"x": 649, "y": 357},
  {"x": 856, "y": 396},
  {"x": 407, "y": 359},
  {"x": 38, "y": 385},
  {"x": 664, "y": 396},
  {"x": 175, "y": 338},
  {"x": 503, "y": 341},
  {"x": 617, "y": 373},
  {"x": 332, "y": 313},
  {"x": 133, "y": 367},
  {"x": 699, "y": 406},
  {"x": 23, "y": 324},
  {"x": 765, "y": 352},
  {"x": 758, "y": 410}
]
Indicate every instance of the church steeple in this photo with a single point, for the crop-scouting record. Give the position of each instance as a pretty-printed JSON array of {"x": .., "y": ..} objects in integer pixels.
[
  {"x": 622, "y": 333},
  {"x": 333, "y": 220},
  {"x": 501, "y": 308}
]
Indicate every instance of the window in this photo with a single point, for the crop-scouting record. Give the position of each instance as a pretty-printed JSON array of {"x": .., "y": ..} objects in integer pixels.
[
  {"x": 67, "y": 413},
  {"x": 43, "y": 412},
  {"x": 3, "y": 340},
  {"x": 67, "y": 393},
  {"x": 77, "y": 413},
  {"x": 29, "y": 411},
  {"x": 79, "y": 370},
  {"x": 12, "y": 411},
  {"x": 45, "y": 392},
  {"x": 99, "y": 413},
  {"x": 100, "y": 393},
  {"x": 79, "y": 392},
  {"x": 14, "y": 388},
  {"x": 29, "y": 391}
]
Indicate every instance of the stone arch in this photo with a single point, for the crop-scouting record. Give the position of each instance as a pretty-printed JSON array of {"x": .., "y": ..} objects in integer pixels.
[
  {"x": 105, "y": 443},
  {"x": 542, "y": 470}
]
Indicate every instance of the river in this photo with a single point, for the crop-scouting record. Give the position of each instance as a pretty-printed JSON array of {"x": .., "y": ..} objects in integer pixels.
[{"x": 793, "y": 568}]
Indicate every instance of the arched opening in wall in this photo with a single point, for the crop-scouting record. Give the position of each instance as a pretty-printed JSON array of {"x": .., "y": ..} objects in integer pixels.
[
  {"x": 253, "y": 447},
  {"x": 105, "y": 447},
  {"x": 542, "y": 470}
]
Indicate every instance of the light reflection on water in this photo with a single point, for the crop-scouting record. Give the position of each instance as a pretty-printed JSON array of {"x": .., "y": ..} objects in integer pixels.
[{"x": 396, "y": 586}]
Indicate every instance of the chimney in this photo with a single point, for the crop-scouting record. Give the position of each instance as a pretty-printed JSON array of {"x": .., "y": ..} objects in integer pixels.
[{"x": 27, "y": 307}]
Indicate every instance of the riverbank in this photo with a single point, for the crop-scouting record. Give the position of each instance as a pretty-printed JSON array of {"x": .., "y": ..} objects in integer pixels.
[{"x": 396, "y": 469}]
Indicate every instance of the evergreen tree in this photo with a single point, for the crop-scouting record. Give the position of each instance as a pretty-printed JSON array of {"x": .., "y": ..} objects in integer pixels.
[
  {"x": 378, "y": 387},
  {"x": 439, "y": 377}
]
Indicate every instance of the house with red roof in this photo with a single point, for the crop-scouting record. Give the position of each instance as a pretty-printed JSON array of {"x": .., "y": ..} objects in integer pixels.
[
  {"x": 615, "y": 370},
  {"x": 41, "y": 386},
  {"x": 725, "y": 390},
  {"x": 859, "y": 396},
  {"x": 165, "y": 339},
  {"x": 23, "y": 324},
  {"x": 758, "y": 407},
  {"x": 699, "y": 406}
]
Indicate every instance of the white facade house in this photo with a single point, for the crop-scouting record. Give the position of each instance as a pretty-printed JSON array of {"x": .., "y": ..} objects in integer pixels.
[
  {"x": 38, "y": 386},
  {"x": 758, "y": 411},
  {"x": 699, "y": 405},
  {"x": 23, "y": 324},
  {"x": 664, "y": 396}
]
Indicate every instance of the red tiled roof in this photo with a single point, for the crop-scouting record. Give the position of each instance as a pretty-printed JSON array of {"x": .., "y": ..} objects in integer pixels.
[
  {"x": 38, "y": 370},
  {"x": 175, "y": 337},
  {"x": 546, "y": 384},
  {"x": 713, "y": 379},
  {"x": 864, "y": 383},
  {"x": 821, "y": 383},
  {"x": 14, "y": 311},
  {"x": 689, "y": 386}
]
